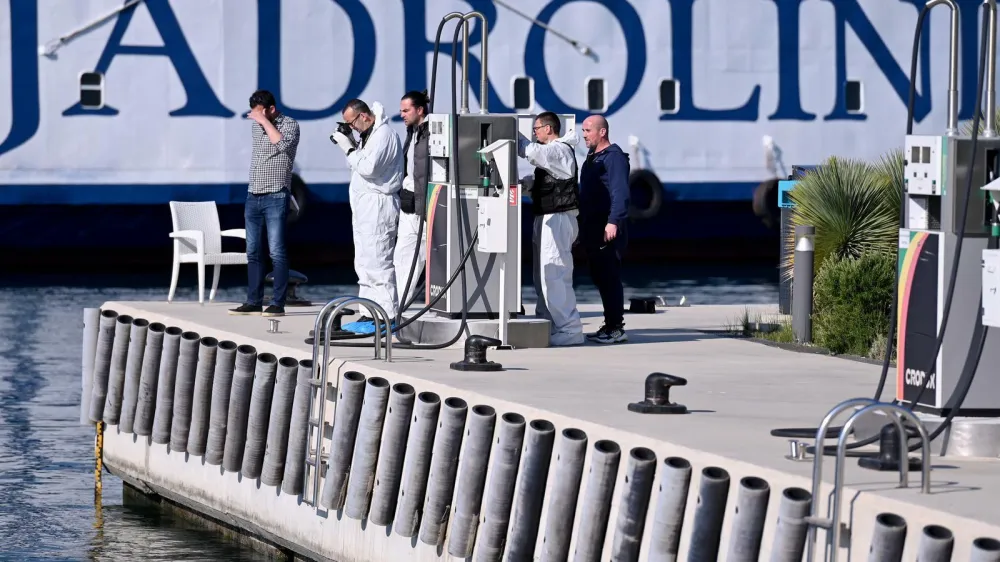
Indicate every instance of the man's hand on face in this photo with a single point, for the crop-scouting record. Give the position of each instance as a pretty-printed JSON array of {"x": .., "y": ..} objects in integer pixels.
[{"x": 257, "y": 114}]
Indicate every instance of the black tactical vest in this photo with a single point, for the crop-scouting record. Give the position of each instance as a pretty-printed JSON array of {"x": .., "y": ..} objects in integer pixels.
[{"x": 549, "y": 195}]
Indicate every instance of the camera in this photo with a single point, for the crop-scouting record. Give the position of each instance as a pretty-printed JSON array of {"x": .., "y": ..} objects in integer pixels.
[{"x": 344, "y": 129}]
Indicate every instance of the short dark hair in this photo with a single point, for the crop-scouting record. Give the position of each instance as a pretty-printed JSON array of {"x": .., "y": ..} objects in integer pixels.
[
  {"x": 549, "y": 118},
  {"x": 262, "y": 97},
  {"x": 359, "y": 106},
  {"x": 418, "y": 99}
]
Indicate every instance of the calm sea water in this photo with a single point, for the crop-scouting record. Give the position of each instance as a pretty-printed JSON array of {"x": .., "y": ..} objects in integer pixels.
[{"x": 47, "y": 505}]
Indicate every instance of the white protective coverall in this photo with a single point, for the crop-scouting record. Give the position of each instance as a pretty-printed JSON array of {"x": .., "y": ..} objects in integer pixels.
[
  {"x": 552, "y": 243},
  {"x": 407, "y": 237},
  {"x": 377, "y": 174}
]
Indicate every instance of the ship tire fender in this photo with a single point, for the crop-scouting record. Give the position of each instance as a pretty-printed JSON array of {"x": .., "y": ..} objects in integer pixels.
[
  {"x": 765, "y": 203},
  {"x": 645, "y": 180},
  {"x": 297, "y": 201}
]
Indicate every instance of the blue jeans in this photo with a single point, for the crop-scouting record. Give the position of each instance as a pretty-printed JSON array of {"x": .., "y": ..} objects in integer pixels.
[{"x": 268, "y": 209}]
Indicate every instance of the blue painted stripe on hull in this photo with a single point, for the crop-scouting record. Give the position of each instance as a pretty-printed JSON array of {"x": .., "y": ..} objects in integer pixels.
[{"x": 235, "y": 193}]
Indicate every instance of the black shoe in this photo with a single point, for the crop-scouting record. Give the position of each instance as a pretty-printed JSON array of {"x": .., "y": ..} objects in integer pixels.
[
  {"x": 598, "y": 334},
  {"x": 246, "y": 310},
  {"x": 611, "y": 335},
  {"x": 274, "y": 310}
]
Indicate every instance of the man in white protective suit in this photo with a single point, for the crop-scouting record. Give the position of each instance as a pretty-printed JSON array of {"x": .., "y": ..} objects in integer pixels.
[
  {"x": 554, "y": 203},
  {"x": 376, "y": 176}
]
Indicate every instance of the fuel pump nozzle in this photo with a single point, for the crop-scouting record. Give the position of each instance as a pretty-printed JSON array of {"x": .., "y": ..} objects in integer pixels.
[{"x": 491, "y": 185}]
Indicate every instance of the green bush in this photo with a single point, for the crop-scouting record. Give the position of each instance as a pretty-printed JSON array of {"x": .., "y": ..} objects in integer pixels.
[{"x": 852, "y": 302}]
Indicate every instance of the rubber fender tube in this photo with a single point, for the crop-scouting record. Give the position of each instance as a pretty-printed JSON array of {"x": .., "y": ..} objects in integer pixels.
[
  {"x": 645, "y": 180},
  {"x": 297, "y": 193},
  {"x": 765, "y": 203}
]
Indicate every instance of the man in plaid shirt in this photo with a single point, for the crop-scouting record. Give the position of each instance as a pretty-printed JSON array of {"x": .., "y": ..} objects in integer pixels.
[{"x": 275, "y": 141}]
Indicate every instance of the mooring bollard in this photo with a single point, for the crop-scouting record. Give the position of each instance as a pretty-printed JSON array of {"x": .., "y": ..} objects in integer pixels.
[
  {"x": 292, "y": 481},
  {"x": 345, "y": 428},
  {"x": 187, "y": 363},
  {"x": 116, "y": 372},
  {"x": 417, "y": 464},
  {"x": 91, "y": 328},
  {"x": 388, "y": 475},
  {"x": 201, "y": 398},
  {"x": 500, "y": 497},
  {"x": 596, "y": 508},
  {"x": 708, "y": 516},
  {"x": 163, "y": 415},
  {"x": 748, "y": 520},
  {"x": 936, "y": 544},
  {"x": 888, "y": 538},
  {"x": 279, "y": 421},
  {"x": 133, "y": 370},
  {"x": 531, "y": 490},
  {"x": 802, "y": 283},
  {"x": 792, "y": 529},
  {"x": 102, "y": 364},
  {"x": 239, "y": 408},
  {"x": 668, "y": 519},
  {"x": 985, "y": 550},
  {"x": 640, "y": 473},
  {"x": 218, "y": 418},
  {"x": 472, "y": 480},
  {"x": 260, "y": 412},
  {"x": 145, "y": 406},
  {"x": 362, "y": 476},
  {"x": 444, "y": 464},
  {"x": 565, "y": 493}
]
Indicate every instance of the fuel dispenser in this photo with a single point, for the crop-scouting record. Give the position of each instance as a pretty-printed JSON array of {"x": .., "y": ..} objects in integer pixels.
[
  {"x": 942, "y": 223},
  {"x": 484, "y": 194}
]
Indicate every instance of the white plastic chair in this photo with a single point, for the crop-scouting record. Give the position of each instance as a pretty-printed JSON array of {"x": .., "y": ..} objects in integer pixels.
[{"x": 198, "y": 239}]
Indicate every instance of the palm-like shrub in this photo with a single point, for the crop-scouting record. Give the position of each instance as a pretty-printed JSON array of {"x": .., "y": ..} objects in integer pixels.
[{"x": 854, "y": 206}]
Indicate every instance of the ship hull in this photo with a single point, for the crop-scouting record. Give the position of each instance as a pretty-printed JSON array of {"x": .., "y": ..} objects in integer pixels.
[{"x": 118, "y": 233}]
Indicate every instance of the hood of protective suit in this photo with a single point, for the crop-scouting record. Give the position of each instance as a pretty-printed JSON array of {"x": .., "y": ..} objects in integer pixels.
[
  {"x": 380, "y": 117},
  {"x": 377, "y": 165},
  {"x": 570, "y": 138}
]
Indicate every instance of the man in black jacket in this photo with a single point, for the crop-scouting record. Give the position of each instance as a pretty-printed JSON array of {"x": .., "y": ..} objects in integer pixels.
[{"x": 413, "y": 196}]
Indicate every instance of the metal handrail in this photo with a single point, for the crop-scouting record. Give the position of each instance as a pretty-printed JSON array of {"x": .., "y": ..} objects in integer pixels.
[
  {"x": 896, "y": 414},
  {"x": 322, "y": 378},
  {"x": 818, "y": 453},
  {"x": 838, "y": 478}
]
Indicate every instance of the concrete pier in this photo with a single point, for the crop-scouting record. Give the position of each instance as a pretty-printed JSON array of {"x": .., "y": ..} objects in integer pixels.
[{"x": 736, "y": 392}]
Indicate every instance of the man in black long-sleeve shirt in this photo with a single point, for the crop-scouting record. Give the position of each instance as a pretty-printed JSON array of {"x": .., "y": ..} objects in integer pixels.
[{"x": 604, "y": 202}]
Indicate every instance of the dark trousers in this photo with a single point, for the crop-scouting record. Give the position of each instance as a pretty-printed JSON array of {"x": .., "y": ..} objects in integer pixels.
[
  {"x": 605, "y": 261},
  {"x": 267, "y": 210}
]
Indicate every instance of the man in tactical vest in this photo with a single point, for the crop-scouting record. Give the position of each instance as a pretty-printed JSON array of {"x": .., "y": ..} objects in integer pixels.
[{"x": 554, "y": 204}]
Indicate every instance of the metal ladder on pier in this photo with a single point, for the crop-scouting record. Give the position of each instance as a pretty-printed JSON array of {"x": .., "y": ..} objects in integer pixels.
[
  {"x": 315, "y": 457},
  {"x": 831, "y": 524}
]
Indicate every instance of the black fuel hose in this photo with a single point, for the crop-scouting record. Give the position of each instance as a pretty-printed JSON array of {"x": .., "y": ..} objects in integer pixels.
[
  {"x": 467, "y": 252},
  {"x": 406, "y": 303},
  {"x": 968, "y": 374},
  {"x": 423, "y": 212}
]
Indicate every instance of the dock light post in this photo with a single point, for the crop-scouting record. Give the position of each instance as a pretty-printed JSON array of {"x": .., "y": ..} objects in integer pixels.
[{"x": 802, "y": 284}]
